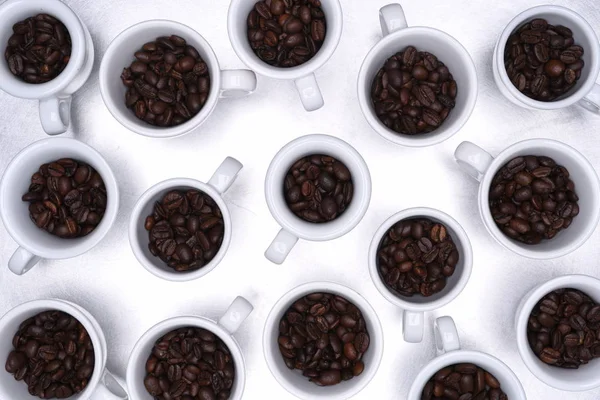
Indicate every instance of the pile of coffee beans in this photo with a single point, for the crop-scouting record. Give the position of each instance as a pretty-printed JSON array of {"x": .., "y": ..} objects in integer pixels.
[
  {"x": 416, "y": 257},
  {"x": 532, "y": 198},
  {"x": 564, "y": 329},
  {"x": 463, "y": 382},
  {"x": 414, "y": 92},
  {"x": 318, "y": 188},
  {"x": 186, "y": 229},
  {"x": 53, "y": 354},
  {"x": 39, "y": 49},
  {"x": 67, "y": 198},
  {"x": 168, "y": 83},
  {"x": 325, "y": 336},
  {"x": 190, "y": 364},
  {"x": 286, "y": 33},
  {"x": 542, "y": 60}
]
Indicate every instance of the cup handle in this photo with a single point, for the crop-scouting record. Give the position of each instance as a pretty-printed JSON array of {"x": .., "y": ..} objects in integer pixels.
[
  {"x": 392, "y": 19},
  {"x": 110, "y": 388},
  {"x": 281, "y": 246},
  {"x": 591, "y": 101},
  {"x": 22, "y": 261},
  {"x": 413, "y": 326},
  {"x": 446, "y": 335},
  {"x": 473, "y": 159},
  {"x": 236, "y": 314},
  {"x": 310, "y": 93},
  {"x": 55, "y": 114},
  {"x": 225, "y": 175},
  {"x": 237, "y": 82}
]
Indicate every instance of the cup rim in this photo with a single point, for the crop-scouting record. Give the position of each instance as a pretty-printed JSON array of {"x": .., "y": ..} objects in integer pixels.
[
  {"x": 110, "y": 215},
  {"x": 529, "y": 302},
  {"x": 136, "y": 215},
  {"x": 21, "y": 89},
  {"x": 328, "y": 287},
  {"x": 462, "y": 356},
  {"x": 264, "y": 69},
  {"x": 486, "y": 215},
  {"x": 459, "y": 235},
  {"x": 572, "y": 98},
  {"x": 442, "y": 133},
  {"x": 141, "y": 127},
  {"x": 169, "y": 324}
]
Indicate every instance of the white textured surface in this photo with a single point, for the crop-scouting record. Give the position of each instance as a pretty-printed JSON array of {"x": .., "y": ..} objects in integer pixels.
[{"x": 127, "y": 300}]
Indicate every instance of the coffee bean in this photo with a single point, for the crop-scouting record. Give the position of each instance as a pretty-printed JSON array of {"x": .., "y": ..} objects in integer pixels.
[{"x": 463, "y": 382}]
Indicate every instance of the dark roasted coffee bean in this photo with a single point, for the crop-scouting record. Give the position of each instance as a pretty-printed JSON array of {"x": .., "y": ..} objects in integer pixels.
[{"x": 463, "y": 382}]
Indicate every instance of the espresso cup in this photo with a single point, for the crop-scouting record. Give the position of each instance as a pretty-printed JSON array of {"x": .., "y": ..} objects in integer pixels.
[
  {"x": 479, "y": 164},
  {"x": 396, "y": 37},
  {"x": 293, "y": 380},
  {"x": 120, "y": 54},
  {"x": 586, "y": 92},
  {"x": 54, "y": 96},
  {"x": 448, "y": 346},
  {"x": 37, "y": 244},
  {"x": 413, "y": 317},
  {"x": 303, "y": 75},
  {"x": 102, "y": 384},
  {"x": 220, "y": 182},
  {"x": 572, "y": 380},
  {"x": 227, "y": 325},
  {"x": 292, "y": 227}
]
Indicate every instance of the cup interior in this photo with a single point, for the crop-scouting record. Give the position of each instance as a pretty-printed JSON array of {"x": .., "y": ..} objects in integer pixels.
[
  {"x": 584, "y": 36},
  {"x": 136, "y": 367},
  {"x": 15, "y": 212},
  {"x": 449, "y": 51},
  {"x": 139, "y": 239},
  {"x": 120, "y": 55},
  {"x": 292, "y": 380},
  {"x": 326, "y": 145},
  {"x": 238, "y": 34},
  {"x": 587, "y": 188},
  {"x": 454, "y": 285},
  {"x": 9, "y": 325},
  {"x": 14, "y": 11}
]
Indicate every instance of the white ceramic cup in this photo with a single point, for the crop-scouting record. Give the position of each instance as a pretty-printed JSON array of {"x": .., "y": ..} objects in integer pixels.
[
  {"x": 36, "y": 244},
  {"x": 413, "y": 317},
  {"x": 586, "y": 92},
  {"x": 584, "y": 378},
  {"x": 54, "y": 96},
  {"x": 448, "y": 345},
  {"x": 396, "y": 37},
  {"x": 119, "y": 55},
  {"x": 293, "y": 227},
  {"x": 302, "y": 75},
  {"x": 293, "y": 380},
  {"x": 482, "y": 166},
  {"x": 101, "y": 386},
  {"x": 221, "y": 180},
  {"x": 227, "y": 325}
]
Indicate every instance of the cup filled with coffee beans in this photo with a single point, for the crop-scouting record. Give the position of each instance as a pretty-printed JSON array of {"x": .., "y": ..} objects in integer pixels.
[
  {"x": 463, "y": 374},
  {"x": 418, "y": 85},
  {"x": 420, "y": 260},
  {"x": 59, "y": 199},
  {"x": 548, "y": 57},
  {"x": 190, "y": 357},
  {"x": 318, "y": 188},
  {"x": 287, "y": 39},
  {"x": 539, "y": 198},
  {"x": 323, "y": 340},
  {"x": 162, "y": 79},
  {"x": 54, "y": 349},
  {"x": 180, "y": 229},
  {"x": 48, "y": 56},
  {"x": 558, "y": 332}
]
